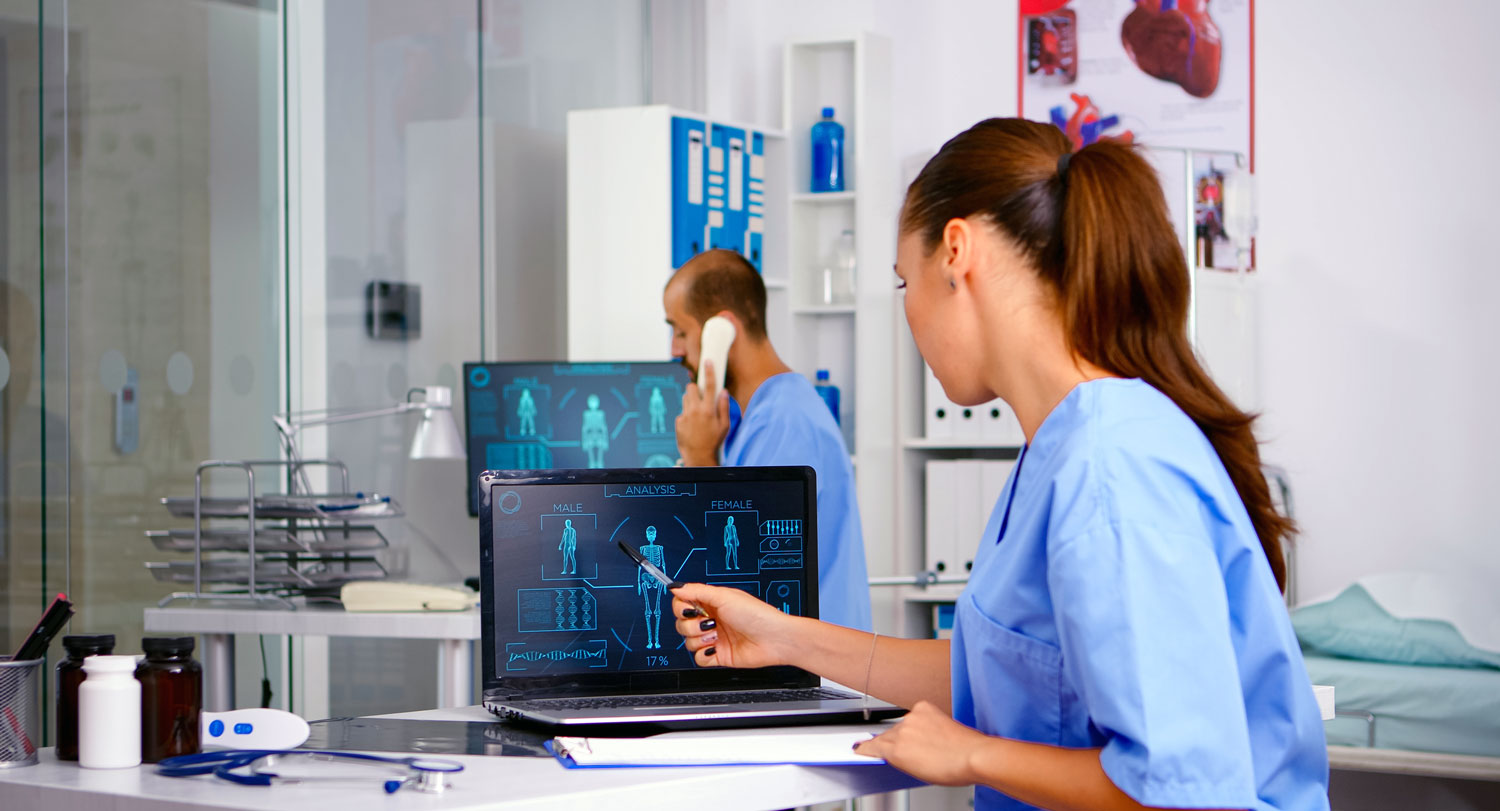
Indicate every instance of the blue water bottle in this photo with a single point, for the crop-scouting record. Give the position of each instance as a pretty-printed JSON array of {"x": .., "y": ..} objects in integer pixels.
[
  {"x": 827, "y": 154},
  {"x": 829, "y": 393}
]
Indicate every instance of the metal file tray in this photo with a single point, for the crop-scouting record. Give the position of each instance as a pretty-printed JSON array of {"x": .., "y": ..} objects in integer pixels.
[
  {"x": 275, "y": 574},
  {"x": 320, "y": 506},
  {"x": 309, "y": 540}
]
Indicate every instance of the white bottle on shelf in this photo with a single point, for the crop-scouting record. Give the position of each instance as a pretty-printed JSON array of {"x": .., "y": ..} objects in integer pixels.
[{"x": 109, "y": 714}]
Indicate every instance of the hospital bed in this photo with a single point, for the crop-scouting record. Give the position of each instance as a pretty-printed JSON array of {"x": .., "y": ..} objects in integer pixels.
[
  {"x": 1411, "y": 719},
  {"x": 1417, "y": 720}
]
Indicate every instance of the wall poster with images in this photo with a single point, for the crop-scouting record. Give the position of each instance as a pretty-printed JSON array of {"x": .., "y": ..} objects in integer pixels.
[{"x": 1173, "y": 74}]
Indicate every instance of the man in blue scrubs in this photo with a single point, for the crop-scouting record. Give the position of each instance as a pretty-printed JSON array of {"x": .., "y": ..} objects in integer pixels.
[{"x": 784, "y": 420}]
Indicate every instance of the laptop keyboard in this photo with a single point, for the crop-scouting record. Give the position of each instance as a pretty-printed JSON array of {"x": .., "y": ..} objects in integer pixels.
[{"x": 684, "y": 699}]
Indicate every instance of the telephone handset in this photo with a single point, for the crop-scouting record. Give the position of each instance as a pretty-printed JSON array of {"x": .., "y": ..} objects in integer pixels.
[{"x": 718, "y": 334}]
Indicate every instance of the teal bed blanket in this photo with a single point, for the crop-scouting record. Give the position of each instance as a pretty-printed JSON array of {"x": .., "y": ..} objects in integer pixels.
[{"x": 1430, "y": 709}]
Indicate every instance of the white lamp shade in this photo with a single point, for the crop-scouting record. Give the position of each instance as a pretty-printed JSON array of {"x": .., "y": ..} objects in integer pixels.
[{"x": 437, "y": 436}]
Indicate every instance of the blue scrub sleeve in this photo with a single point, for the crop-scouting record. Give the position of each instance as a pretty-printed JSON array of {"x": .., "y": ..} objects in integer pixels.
[{"x": 1143, "y": 623}]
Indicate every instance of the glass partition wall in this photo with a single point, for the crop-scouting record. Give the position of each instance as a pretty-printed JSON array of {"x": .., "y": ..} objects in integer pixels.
[
  {"x": 141, "y": 286},
  {"x": 442, "y": 132},
  {"x": 199, "y": 196}
]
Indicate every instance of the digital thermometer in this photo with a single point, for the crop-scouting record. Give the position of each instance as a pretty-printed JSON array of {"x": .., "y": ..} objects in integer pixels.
[{"x": 254, "y": 729}]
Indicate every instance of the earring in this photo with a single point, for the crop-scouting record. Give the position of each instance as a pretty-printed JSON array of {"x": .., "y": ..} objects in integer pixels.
[{"x": 953, "y": 284}]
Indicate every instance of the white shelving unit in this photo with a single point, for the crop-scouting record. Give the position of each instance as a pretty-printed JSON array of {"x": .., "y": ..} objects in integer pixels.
[{"x": 853, "y": 341}]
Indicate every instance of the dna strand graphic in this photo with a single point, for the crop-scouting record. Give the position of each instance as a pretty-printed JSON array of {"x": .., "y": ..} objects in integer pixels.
[
  {"x": 590, "y": 653},
  {"x": 581, "y": 654}
]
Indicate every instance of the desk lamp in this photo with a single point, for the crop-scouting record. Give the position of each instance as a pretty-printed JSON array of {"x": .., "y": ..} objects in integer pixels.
[{"x": 437, "y": 434}]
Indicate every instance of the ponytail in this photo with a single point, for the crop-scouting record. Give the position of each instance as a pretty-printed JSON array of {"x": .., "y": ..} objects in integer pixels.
[{"x": 1095, "y": 226}]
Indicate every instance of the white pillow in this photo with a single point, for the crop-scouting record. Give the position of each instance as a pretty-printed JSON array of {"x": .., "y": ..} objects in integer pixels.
[{"x": 1465, "y": 602}]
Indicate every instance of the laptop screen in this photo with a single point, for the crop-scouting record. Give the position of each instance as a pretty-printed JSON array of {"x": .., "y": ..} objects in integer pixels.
[
  {"x": 563, "y": 604},
  {"x": 540, "y": 416}
]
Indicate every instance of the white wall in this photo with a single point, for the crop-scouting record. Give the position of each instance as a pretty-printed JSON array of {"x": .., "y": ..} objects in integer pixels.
[{"x": 1377, "y": 180}]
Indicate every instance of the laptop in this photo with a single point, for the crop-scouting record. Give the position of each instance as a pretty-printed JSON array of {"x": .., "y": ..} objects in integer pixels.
[{"x": 576, "y": 635}]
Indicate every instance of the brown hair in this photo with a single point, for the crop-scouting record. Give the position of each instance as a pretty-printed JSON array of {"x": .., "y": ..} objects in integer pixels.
[
  {"x": 1095, "y": 227},
  {"x": 722, "y": 280}
]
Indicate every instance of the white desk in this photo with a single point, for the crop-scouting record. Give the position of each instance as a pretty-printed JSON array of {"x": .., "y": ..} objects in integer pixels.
[
  {"x": 454, "y": 630},
  {"x": 500, "y": 783}
]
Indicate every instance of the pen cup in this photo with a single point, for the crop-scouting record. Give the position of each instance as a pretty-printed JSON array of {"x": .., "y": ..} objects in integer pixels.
[{"x": 20, "y": 711}]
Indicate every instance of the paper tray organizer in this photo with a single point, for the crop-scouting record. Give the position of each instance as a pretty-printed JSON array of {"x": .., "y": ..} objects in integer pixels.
[
  {"x": 314, "y": 547},
  {"x": 318, "y": 574},
  {"x": 308, "y": 540}
]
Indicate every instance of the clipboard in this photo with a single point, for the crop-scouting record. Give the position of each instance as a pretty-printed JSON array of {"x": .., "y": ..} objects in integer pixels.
[{"x": 775, "y": 746}]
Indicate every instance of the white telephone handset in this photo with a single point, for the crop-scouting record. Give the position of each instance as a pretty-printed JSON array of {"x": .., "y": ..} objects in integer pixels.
[{"x": 718, "y": 334}]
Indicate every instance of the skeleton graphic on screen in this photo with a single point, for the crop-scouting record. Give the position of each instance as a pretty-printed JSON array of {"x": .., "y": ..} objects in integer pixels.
[
  {"x": 731, "y": 545},
  {"x": 569, "y": 547},
  {"x": 657, "y": 408},
  {"x": 650, "y": 588},
  {"x": 595, "y": 433},
  {"x": 526, "y": 412}
]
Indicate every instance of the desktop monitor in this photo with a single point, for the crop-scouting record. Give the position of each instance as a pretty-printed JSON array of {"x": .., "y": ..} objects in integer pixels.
[{"x": 543, "y": 415}]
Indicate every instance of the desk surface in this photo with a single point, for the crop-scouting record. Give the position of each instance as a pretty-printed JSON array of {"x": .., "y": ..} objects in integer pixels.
[
  {"x": 315, "y": 621},
  {"x": 486, "y": 783}
]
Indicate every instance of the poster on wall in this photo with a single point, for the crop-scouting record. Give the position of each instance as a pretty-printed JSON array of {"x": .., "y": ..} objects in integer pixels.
[{"x": 1163, "y": 73}]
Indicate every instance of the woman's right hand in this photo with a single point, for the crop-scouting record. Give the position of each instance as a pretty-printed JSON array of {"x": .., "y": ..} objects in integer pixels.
[{"x": 741, "y": 631}]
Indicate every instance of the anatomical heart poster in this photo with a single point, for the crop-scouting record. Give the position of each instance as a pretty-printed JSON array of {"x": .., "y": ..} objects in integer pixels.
[{"x": 1169, "y": 73}]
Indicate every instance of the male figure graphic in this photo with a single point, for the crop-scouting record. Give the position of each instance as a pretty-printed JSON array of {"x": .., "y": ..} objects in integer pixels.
[
  {"x": 650, "y": 588},
  {"x": 731, "y": 545},
  {"x": 569, "y": 547},
  {"x": 657, "y": 408},
  {"x": 526, "y": 411},
  {"x": 595, "y": 433}
]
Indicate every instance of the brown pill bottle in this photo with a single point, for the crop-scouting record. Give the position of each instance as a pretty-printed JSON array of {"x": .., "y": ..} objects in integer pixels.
[
  {"x": 69, "y": 676},
  {"x": 171, "y": 698}
]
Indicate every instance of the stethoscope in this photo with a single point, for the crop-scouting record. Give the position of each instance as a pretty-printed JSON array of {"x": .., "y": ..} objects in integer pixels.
[{"x": 266, "y": 766}]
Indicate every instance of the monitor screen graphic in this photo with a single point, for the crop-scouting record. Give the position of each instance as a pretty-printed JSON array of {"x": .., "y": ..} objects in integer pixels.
[{"x": 540, "y": 416}]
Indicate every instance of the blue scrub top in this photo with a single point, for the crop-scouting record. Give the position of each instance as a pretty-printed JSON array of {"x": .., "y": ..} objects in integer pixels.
[
  {"x": 1120, "y": 599},
  {"x": 787, "y": 423}
]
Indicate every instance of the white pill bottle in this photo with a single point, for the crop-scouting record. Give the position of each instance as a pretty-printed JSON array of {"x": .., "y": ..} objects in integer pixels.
[{"x": 109, "y": 714}]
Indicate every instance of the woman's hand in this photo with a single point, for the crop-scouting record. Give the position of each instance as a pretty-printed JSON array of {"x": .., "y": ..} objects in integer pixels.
[
  {"x": 730, "y": 628},
  {"x": 930, "y": 746}
]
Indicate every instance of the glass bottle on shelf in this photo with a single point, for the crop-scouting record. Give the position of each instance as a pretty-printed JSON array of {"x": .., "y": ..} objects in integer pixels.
[
  {"x": 834, "y": 285},
  {"x": 846, "y": 261}
]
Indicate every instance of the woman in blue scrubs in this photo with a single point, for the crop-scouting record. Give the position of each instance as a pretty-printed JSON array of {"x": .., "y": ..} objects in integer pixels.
[{"x": 1122, "y": 641}]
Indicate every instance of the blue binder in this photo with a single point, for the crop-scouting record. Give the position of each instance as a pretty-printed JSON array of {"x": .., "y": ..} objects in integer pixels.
[
  {"x": 689, "y": 192},
  {"x": 755, "y": 202},
  {"x": 727, "y": 181}
]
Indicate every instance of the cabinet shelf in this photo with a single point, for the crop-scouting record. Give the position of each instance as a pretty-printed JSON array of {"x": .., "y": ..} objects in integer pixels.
[
  {"x": 944, "y": 593},
  {"x": 927, "y": 443},
  {"x": 824, "y": 309},
  {"x": 823, "y": 197}
]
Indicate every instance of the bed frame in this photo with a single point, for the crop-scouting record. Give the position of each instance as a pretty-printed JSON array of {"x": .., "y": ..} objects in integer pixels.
[{"x": 1368, "y": 758}]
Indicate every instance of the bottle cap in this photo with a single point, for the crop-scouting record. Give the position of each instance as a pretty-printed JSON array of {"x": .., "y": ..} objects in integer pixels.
[
  {"x": 80, "y": 645},
  {"x": 168, "y": 645},
  {"x": 828, "y": 112},
  {"x": 822, "y": 374},
  {"x": 109, "y": 664}
]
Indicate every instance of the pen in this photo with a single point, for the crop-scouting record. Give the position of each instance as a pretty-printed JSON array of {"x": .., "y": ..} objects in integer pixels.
[{"x": 652, "y": 569}]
